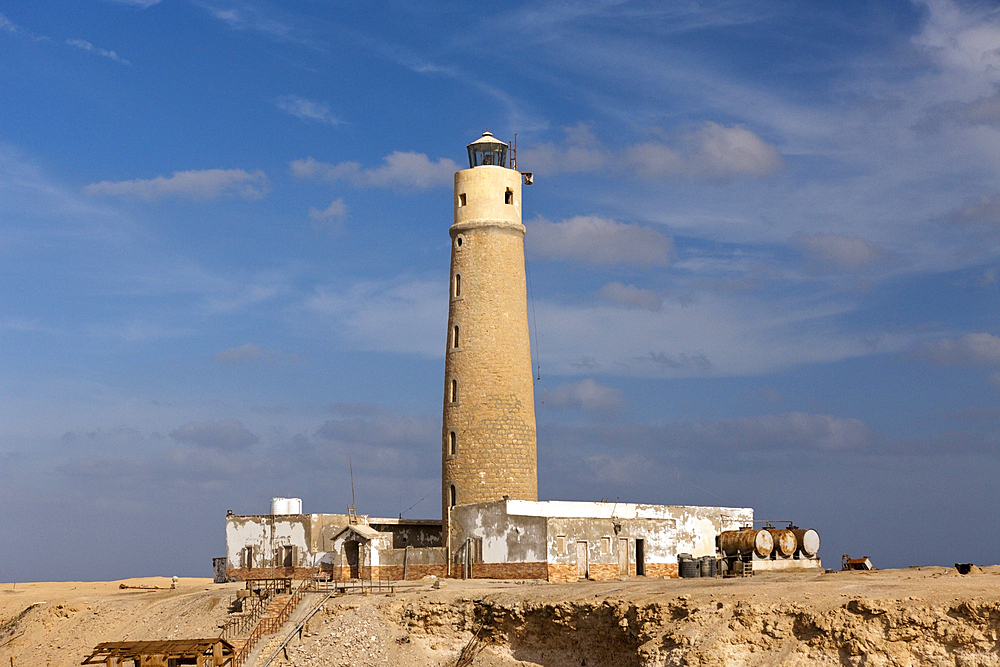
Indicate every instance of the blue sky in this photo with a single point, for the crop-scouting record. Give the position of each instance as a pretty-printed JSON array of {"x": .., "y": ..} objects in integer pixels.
[{"x": 763, "y": 244}]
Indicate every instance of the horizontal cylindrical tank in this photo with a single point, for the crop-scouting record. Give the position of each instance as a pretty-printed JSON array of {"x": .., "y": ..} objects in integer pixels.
[
  {"x": 746, "y": 541},
  {"x": 282, "y": 506},
  {"x": 807, "y": 540},
  {"x": 785, "y": 542}
]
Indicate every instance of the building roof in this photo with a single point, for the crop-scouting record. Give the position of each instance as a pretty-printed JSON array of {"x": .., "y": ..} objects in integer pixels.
[{"x": 361, "y": 530}]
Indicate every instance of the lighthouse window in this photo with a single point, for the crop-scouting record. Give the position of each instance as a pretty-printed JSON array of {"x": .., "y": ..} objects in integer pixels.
[
  {"x": 454, "y": 392},
  {"x": 458, "y": 241},
  {"x": 508, "y": 197},
  {"x": 461, "y": 200},
  {"x": 454, "y": 496},
  {"x": 454, "y": 337},
  {"x": 452, "y": 444},
  {"x": 458, "y": 285}
]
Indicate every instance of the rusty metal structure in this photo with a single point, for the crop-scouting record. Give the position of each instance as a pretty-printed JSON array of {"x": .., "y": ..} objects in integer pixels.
[
  {"x": 784, "y": 540},
  {"x": 214, "y": 652},
  {"x": 746, "y": 542},
  {"x": 848, "y": 563}
]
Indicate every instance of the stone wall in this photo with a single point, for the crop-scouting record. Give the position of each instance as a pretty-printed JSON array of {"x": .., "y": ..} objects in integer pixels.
[{"x": 488, "y": 433}]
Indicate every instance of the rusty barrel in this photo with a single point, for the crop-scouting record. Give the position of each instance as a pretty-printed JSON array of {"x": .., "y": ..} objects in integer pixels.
[
  {"x": 746, "y": 541},
  {"x": 807, "y": 540},
  {"x": 785, "y": 542}
]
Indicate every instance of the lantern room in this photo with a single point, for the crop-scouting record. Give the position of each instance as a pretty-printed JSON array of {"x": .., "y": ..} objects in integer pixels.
[{"x": 487, "y": 150}]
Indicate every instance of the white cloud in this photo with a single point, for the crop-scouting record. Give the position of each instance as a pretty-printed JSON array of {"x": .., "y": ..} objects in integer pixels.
[
  {"x": 304, "y": 109},
  {"x": 408, "y": 316},
  {"x": 203, "y": 184},
  {"x": 402, "y": 171},
  {"x": 141, "y": 4},
  {"x": 228, "y": 435},
  {"x": 631, "y": 296},
  {"x": 332, "y": 214},
  {"x": 599, "y": 241},
  {"x": 87, "y": 46},
  {"x": 712, "y": 152},
  {"x": 249, "y": 353},
  {"x": 586, "y": 395},
  {"x": 962, "y": 38},
  {"x": 828, "y": 253},
  {"x": 979, "y": 209},
  {"x": 971, "y": 349},
  {"x": 793, "y": 430},
  {"x": 6, "y": 25}
]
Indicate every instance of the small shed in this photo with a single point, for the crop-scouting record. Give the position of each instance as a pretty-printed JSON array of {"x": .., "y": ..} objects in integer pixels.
[
  {"x": 212, "y": 652},
  {"x": 357, "y": 549}
]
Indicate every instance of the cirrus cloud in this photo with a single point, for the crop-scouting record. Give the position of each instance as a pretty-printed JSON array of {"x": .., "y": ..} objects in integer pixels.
[
  {"x": 970, "y": 350},
  {"x": 201, "y": 184},
  {"x": 400, "y": 170},
  {"x": 600, "y": 241}
]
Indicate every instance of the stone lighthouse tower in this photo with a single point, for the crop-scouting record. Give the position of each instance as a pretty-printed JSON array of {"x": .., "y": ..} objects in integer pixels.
[{"x": 488, "y": 434}]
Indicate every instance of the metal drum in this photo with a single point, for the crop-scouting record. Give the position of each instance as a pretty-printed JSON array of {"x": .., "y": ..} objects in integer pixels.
[
  {"x": 785, "y": 542},
  {"x": 807, "y": 540},
  {"x": 746, "y": 541}
]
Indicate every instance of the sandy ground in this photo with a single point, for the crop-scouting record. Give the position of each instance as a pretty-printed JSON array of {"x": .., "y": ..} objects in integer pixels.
[{"x": 914, "y": 616}]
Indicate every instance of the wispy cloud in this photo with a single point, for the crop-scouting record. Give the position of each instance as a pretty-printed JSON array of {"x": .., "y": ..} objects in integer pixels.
[
  {"x": 141, "y": 4},
  {"x": 983, "y": 209},
  {"x": 585, "y": 395},
  {"x": 6, "y": 25},
  {"x": 331, "y": 217},
  {"x": 250, "y": 353},
  {"x": 599, "y": 241},
  {"x": 87, "y": 46},
  {"x": 308, "y": 110},
  {"x": 832, "y": 253},
  {"x": 710, "y": 152},
  {"x": 228, "y": 435},
  {"x": 401, "y": 170},
  {"x": 203, "y": 184},
  {"x": 630, "y": 296},
  {"x": 970, "y": 350}
]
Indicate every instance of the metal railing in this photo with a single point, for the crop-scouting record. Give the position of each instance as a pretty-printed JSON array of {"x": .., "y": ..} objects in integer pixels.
[{"x": 270, "y": 624}]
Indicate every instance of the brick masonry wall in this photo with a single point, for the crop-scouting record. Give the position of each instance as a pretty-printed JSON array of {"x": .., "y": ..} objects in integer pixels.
[
  {"x": 493, "y": 416},
  {"x": 661, "y": 570},
  {"x": 562, "y": 574},
  {"x": 244, "y": 573}
]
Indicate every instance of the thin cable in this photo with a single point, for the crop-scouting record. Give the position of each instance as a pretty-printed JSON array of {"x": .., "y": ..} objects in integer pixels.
[{"x": 534, "y": 318}]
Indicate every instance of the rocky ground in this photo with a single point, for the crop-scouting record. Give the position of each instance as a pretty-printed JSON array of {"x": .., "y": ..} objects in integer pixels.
[{"x": 917, "y": 616}]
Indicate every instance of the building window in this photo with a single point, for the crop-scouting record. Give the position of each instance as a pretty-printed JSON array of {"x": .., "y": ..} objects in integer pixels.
[
  {"x": 461, "y": 200},
  {"x": 454, "y": 337},
  {"x": 458, "y": 285},
  {"x": 452, "y": 446},
  {"x": 454, "y": 391},
  {"x": 458, "y": 241},
  {"x": 508, "y": 197},
  {"x": 605, "y": 545},
  {"x": 454, "y": 496},
  {"x": 561, "y": 545}
]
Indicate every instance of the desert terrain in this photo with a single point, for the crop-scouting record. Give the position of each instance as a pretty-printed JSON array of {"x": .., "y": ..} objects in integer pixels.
[{"x": 915, "y": 616}]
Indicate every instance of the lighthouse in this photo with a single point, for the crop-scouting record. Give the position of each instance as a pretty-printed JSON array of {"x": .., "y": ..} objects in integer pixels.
[{"x": 488, "y": 427}]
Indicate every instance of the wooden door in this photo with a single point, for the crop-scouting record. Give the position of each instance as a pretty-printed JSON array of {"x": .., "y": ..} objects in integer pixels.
[
  {"x": 623, "y": 557},
  {"x": 582, "y": 564}
]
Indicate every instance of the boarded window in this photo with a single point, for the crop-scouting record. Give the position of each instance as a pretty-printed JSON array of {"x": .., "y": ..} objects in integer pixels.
[
  {"x": 561, "y": 545},
  {"x": 605, "y": 545}
]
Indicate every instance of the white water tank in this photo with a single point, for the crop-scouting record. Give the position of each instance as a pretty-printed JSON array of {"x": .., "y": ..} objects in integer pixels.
[{"x": 281, "y": 506}]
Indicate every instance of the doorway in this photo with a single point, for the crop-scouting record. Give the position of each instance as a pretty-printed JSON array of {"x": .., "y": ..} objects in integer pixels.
[
  {"x": 623, "y": 557},
  {"x": 351, "y": 550},
  {"x": 582, "y": 564},
  {"x": 640, "y": 557}
]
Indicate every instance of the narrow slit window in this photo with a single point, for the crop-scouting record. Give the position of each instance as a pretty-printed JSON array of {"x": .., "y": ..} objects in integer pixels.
[
  {"x": 454, "y": 391},
  {"x": 454, "y": 496},
  {"x": 452, "y": 444},
  {"x": 458, "y": 285},
  {"x": 454, "y": 337},
  {"x": 461, "y": 200},
  {"x": 508, "y": 197}
]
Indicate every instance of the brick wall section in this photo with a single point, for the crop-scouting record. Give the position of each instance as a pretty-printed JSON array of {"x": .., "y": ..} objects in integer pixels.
[
  {"x": 493, "y": 417},
  {"x": 661, "y": 570},
  {"x": 244, "y": 573},
  {"x": 503, "y": 571}
]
